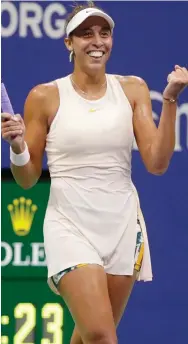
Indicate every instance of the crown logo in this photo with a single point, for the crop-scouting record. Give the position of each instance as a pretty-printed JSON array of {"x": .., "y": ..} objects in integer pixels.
[{"x": 22, "y": 213}]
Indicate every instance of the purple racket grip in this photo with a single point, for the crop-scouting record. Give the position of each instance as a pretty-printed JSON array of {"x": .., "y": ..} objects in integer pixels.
[{"x": 5, "y": 101}]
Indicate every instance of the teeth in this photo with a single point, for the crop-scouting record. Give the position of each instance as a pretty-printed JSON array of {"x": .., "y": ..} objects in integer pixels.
[{"x": 95, "y": 53}]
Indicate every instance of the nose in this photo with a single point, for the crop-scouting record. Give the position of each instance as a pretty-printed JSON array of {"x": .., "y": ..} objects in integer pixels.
[{"x": 97, "y": 40}]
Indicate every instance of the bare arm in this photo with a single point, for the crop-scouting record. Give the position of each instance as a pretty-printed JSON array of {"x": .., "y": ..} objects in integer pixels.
[
  {"x": 41, "y": 104},
  {"x": 156, "y": 145},
  {"x": 35, "y": 135}
]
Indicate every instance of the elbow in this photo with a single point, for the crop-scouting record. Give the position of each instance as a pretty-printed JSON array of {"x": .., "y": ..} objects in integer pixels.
[
  {"x": 25, "y": 179},
  {"x": 158, "y": 172},
  {"x": 27, "y": 186},
  {"x": 157, "y": 162},
  {"x": 157, "y": 169}
]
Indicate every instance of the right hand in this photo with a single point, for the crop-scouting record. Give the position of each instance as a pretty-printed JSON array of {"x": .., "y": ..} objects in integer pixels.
[{"x": 13, "y": 130}]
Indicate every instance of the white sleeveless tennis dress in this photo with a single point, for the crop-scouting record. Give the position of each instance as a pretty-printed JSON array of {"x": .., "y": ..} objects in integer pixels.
[{"x": 93, "y": 206}]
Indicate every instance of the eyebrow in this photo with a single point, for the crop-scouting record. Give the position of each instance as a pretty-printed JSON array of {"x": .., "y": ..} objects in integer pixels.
[{"x": 107, "y": 28}]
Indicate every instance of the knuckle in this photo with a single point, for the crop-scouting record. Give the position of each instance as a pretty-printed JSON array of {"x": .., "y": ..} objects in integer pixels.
[
  {"x": 169, "y": 77},
  {"x": 18, "y": 116},
  {"x": 4, "y": 136}
]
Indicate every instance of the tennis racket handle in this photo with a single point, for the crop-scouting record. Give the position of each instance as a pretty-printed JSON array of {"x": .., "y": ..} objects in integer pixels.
[{"x": 5, "y": 101}]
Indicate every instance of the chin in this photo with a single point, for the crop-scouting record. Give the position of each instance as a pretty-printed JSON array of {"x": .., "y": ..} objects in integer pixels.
[
  {"x": 95, "y": 67},
  {"x": 93, "y": 70}
]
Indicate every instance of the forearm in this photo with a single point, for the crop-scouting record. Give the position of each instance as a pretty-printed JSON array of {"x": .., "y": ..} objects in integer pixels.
[
  {"x": 26, "y": 176},
  {"x": 163, "y": 143},
  {"x": 156, "y": 145}
]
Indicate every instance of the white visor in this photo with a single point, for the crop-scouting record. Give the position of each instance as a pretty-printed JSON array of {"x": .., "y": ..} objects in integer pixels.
[{"x": 81, "y": 16}]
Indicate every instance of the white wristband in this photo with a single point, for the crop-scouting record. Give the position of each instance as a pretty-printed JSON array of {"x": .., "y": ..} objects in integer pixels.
[{"x": 20, "y": 159}]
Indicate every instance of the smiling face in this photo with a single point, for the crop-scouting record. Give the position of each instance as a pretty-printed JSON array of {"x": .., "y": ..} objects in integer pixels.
[{"x": 92, "y": 44}]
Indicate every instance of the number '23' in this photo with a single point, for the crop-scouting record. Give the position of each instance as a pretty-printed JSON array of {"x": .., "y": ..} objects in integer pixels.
[{"x": 54, "y": 327}]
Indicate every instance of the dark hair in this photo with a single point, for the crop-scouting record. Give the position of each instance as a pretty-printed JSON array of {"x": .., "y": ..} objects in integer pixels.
[{"x": 77, "y": 8}]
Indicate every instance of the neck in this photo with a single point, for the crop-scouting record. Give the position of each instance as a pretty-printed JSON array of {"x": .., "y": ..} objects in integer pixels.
[{"x": 87, "y": 82}]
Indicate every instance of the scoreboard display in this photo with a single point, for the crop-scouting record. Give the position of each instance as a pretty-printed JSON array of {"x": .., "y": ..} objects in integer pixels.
[{"x": 31, "y": 313}]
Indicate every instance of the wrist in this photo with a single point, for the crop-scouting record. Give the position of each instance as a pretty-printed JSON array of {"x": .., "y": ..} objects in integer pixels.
[
  {"x": 20, "y": 159},
  {"x": 18, "y": 149},
  {"x": 170, "y": 100},
  {"x": 169, "y": 97}
]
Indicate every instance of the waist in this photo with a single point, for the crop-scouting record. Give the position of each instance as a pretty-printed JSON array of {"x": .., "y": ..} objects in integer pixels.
[
  {"x": 91, "y": 190},
  {"x": 92, "y": 174},
  {"x": 92, "y": 205}
]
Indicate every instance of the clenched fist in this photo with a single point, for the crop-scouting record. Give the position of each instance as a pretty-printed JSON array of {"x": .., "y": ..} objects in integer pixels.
[
  {"x": 177, "y": 81},
  {"x": 13, "y": 130}
]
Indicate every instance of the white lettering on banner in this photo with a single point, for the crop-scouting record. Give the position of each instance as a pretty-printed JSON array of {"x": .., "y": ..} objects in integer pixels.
[
  {"x": 17, "y": 259},
  {"x": 59, "y": 31},
  {"x": 14, "y": 255},
  {"x": 8, "y": 254},
  {"x": 20, "y": 19},
  {"x": 13, "y": 19},
  {"x": 37, "y": 254},
  {"x": 182, "y": 111},
  {"x": 30, "y": 22}
]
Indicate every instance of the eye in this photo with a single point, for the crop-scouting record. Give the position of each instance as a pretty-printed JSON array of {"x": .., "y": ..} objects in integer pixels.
[
  {"x": 87, "y": 34},
  {"x": 105, "y": 33}
]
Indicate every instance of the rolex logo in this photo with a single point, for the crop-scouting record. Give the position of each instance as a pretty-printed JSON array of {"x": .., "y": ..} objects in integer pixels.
[{"x": 22, "y": 213}]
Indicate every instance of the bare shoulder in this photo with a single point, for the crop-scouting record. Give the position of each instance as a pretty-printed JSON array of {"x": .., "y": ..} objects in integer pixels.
[
  {"x": 133, "y": 87},
  {"x": 42, "y": 100},
  {"x": 131, "y": 80},
  {"x": 43, "y": 92}
]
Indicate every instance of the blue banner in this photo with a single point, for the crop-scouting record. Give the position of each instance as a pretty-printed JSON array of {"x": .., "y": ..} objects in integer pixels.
[{"x": 149, "y": 39}]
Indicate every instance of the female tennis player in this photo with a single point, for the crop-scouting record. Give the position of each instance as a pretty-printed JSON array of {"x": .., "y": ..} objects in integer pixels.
[{"x": 94, "y": 233}]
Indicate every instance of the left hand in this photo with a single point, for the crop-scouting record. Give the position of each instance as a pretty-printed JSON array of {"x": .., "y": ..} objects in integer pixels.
[{"x": 177, "y": 81}]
